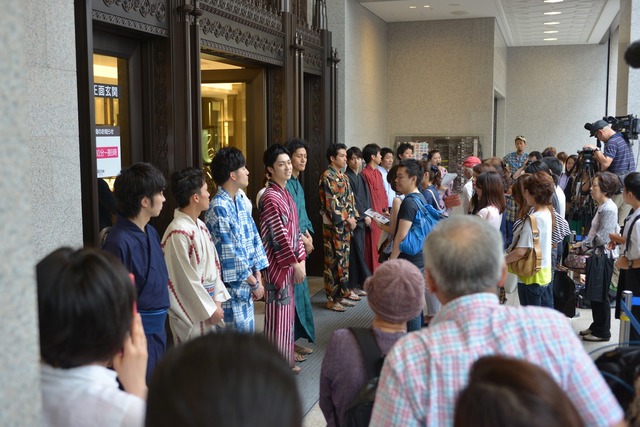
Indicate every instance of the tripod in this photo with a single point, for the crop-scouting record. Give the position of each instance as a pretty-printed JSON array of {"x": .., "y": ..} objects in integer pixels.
[{"x": 583, "y": 207}]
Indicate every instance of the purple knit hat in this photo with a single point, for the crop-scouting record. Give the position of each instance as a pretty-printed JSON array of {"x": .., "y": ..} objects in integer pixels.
[{"x": 396, "y": 291}]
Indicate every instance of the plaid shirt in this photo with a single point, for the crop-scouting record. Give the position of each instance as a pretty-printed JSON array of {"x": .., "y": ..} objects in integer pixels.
[
  {"x": 620, "y": 151},
  {"x": 511, "y": 210},
  {"x": 514, "y": 161},
  {"x": 236, "y": 238},
  {"x": 424, "y": 371}
]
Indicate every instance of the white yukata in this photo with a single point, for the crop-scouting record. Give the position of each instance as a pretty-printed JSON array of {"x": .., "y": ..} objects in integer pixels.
[{"x": 194, "y": 277}]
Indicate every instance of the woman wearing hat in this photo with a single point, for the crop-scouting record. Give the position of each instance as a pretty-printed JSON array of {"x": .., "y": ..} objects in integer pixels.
[{"x": 395, "y": 295}]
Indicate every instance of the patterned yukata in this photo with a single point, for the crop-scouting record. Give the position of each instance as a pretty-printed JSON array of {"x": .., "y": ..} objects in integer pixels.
[
  {"x": 141, "y": 254},
  {"x": 379, "y": 201},
  {"x": 194, "y": 277},
  {"x": 337, "y": 205},
  {"x": 280, "y": 234},
  {"x": 241, "y": 254},
  {"x": 304, "y": 327}
]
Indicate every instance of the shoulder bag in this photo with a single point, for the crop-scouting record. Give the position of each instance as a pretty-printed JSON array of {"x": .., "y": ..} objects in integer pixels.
[
  {"x": 531, "y": 262},
  {"x": 424, "y": 221}
]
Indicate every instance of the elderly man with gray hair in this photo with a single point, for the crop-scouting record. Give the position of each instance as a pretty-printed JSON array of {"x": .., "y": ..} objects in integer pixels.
[{"x": 424, "y": 371}]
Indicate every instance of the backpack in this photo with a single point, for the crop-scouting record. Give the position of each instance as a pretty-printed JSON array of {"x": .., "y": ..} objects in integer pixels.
[
  {"x": 424, "y": 221},
  {"x": 620, "y": 368},
  {"x": 358, "y": 413}
]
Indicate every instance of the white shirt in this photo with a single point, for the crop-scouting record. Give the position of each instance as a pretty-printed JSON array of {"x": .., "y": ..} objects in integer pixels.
[
  {"x": 87, "y": 396},
  {"x": 467, "y": 193},
  {"x": 562, "y": 201},
  {"x": 492, "y": 215},
  {"x": 632, "y": 251},
  {"x": 387, "y": 187}
]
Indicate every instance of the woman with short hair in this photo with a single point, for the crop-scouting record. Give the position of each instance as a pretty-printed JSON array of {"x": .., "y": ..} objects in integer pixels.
[{"x": 604, "y": 222}]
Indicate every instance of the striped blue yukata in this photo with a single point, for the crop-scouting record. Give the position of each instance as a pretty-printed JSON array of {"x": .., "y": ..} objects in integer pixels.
[{"x": 241, "y": 254}]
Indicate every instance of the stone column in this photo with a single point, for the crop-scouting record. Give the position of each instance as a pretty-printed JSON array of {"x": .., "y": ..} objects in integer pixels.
[{"x": 20, "y": 403}]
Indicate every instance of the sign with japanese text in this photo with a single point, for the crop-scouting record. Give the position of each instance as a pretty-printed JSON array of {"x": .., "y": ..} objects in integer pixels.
[
  {"x": 108, "y": 154},
  {"x": 105, "y": 91}
]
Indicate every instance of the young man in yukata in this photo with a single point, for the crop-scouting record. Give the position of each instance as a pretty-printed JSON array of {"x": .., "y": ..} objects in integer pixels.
[
  {"x": 139, "y": 197},
  {"x": 282, "y": 240},
  {"x": 236, "y": 239},
  {"x": 338, "y": 222},
  {"x": 195, "y": 287},
  {"x": 304, "y": 326}
]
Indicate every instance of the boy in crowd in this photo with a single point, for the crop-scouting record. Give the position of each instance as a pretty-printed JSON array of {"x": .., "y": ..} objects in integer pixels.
[
  {"x": 236, "y": 239},
  {"x": 338, "y": 221},
  {"x": 196, "y": 289},
  {"x": 304, "y": 327},
  {"x": 139, "y": 197},
  {"x": 379, "y": 201}
]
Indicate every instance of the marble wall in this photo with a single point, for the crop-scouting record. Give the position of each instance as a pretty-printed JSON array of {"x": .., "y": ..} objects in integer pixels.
[
  {"x": 52, "y": 120},
  {"x": 440, "y": 78},
  {"x": 552, "y": 92},
  {"x": 20, "y": 390}
]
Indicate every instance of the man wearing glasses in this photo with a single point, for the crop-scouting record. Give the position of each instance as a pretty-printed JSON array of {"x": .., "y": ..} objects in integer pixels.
[{"x": 617, "y": 158}]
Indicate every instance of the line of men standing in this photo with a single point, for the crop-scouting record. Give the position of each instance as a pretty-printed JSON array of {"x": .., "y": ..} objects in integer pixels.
[{"x": 205, "y": 275}]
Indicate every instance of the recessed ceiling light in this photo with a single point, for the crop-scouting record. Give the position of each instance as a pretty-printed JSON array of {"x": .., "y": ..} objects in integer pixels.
[
  {"x": 553, "y": 1},
  {"x": 551, "y": 23},
  {"x": 552, "y": 13},
  {"x": 412, "y": 7},
  {"x": 550, "y": 39},
  {"x": 551, "y": 32},
  {"x": 426, "y": 5}
]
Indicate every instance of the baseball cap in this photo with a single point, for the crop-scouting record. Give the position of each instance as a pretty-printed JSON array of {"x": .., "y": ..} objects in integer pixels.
[
  {"x": 471, "y": 161},
  {"x": 596, "y": 126}
]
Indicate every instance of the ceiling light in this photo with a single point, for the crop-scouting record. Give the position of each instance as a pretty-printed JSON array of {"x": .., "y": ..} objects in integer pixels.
[
  {"x": 550, "y": 32},
  {"x": 553, "y": 1},
  {"x": 550, "y": 39},
  {"x": 551, "y": 23},
  {"x": 426, "y": 5},
  {"x": 552, "y": 13},
  {"x": 412, "y": 7}
]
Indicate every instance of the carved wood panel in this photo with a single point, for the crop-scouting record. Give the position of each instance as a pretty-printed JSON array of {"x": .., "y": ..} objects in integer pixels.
[
  {"x": 149, "y": 16},
  {"x": 275, "y": 107}
]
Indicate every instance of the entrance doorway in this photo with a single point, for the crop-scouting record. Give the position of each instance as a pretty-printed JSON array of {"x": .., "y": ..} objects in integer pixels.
[{"x": 233, "y": 103}]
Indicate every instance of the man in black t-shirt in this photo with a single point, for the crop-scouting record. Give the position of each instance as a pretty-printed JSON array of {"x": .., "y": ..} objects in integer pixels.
[{"x": 408, "y": 177}]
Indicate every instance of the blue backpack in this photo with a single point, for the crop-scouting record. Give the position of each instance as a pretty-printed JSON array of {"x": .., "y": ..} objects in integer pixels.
[{"x": 424, "y": 221}]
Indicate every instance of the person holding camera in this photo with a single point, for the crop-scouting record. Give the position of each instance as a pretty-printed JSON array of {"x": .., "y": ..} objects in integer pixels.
[{"x": 617, "y": 158}]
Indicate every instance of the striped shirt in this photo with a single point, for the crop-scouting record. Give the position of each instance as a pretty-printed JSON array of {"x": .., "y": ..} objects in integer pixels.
[
  {"x": 620, "y": 151},
  {"x": 424, "y": 371},
  {"x": 236, "y": 238}
]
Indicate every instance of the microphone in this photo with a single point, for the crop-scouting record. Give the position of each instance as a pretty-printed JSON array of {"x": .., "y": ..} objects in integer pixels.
[{"x": 632, "y": 54}]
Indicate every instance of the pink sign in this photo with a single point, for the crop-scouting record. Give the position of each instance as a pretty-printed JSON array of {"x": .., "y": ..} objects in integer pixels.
[{"x": 107, "y": 152}]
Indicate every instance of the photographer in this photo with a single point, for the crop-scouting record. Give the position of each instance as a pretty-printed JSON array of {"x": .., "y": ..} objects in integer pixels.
[
  {"x": 616, "y": 158},
  {"x": 534, "y": 156}
]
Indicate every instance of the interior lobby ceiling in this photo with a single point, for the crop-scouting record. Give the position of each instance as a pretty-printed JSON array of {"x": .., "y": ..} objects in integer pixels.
[{"x": 523, "y": 22}]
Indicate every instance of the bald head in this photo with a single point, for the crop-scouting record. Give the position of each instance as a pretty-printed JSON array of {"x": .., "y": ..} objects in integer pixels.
[{"x": 464, "y": 256}]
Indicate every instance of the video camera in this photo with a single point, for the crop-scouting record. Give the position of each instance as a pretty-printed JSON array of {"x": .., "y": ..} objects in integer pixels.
[
  {"x": 628, "y": 126},
  {"x": 587, "y": 156}
]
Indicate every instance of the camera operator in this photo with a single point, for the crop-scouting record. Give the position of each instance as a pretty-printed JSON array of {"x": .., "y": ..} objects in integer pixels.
[{"x": 616, "y": 158}]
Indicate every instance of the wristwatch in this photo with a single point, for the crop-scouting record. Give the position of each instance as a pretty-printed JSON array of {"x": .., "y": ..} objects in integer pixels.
[{"x": 629, "y": 263}]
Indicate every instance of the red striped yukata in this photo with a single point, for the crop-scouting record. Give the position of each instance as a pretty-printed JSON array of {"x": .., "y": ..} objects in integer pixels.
[{"x": 280, "y": 235}]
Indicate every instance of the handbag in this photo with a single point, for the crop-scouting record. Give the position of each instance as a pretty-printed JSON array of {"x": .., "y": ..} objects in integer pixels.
[
  {"x": 599, "y": 270},
  {"x": 451, "y": 201},
  {"x": 511, "y": 284},
  {"x": 576, "y": 261},
  {"x": 424, "y": 221},
  {"x": 531, "y": 262}
]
